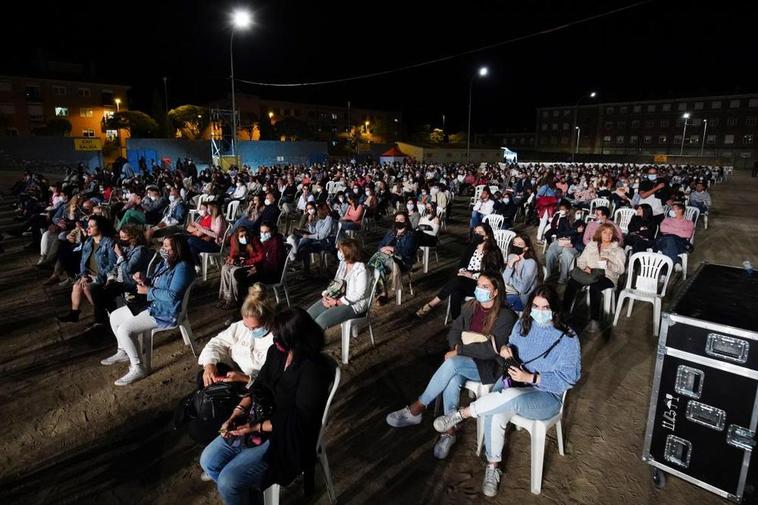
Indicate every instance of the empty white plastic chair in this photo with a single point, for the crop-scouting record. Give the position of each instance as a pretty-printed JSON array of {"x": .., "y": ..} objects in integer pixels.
[
  {"x": 538, "y": 432},
  {"x": 645, "y": 286},
  {"x": 147, "y": 338},
  {"x": 231, "y": 211},
  {"x": 271, "y": 495},
  {"x": 351, "y": 327},
  {"x": 283, "y": 279},
  {"x": 477, "y": 194},
  {"x": 424, "y": 252},
  {"x": 622, "y": 217},
  {"x": 495, "y": 221}
]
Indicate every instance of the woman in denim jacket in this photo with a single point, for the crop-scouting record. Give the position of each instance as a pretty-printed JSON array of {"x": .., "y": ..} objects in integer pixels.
[{"x": 165, "y": 289}]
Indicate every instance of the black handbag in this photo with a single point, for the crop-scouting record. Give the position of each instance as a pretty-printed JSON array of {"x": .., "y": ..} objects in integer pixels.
[
  {"x": 205, "y": 410},
  {"x": 584, "y": 278}
]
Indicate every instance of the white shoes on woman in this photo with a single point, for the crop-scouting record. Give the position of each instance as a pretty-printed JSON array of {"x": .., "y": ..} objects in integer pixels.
[{"x": 136, "y": 372}]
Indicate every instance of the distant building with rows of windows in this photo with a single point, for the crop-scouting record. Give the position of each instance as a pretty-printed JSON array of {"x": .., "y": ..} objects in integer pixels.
[
  {"x": 721, "y": 126},
  {"x": 28, "y": 103}
]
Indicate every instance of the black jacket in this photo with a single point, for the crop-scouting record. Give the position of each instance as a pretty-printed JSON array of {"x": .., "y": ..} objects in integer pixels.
[
  {"x": 299, "y": 395},
  {"x": 492, "y": 262},
  {"x": 488, "y": 361}
]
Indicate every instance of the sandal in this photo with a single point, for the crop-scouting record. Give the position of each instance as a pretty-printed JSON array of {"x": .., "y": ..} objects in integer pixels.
[{"x": 424, "y": 310}]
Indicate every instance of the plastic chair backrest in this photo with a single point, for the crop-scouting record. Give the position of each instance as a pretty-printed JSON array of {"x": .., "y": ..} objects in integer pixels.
[
  {"x": 225, "y": 239},
  {"x": 622, "y": 217},
  {"x": 692, "y": 213},
  {"x": 287, "y": 249},
  {"x": 494, "y": 189},
  {"x": 503, "y": 239},
  {"x": 478, "y": 192},
  {"x": 202, "y": 199},
  {"x": 599, "y": 202},
  {"x": 333, "y": 391},
  {"x": 421, "y": 210},
  {"x": 495, "y": 221},
  {"x": 231, "y": 210},
  {"x": 185, "y": 302},
  {"x": 151, "y": 264},
  {"x": 650, "y": 266}
]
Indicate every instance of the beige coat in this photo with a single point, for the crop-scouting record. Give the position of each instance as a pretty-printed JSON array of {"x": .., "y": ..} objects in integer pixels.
[{"x": 613, "y": 256}]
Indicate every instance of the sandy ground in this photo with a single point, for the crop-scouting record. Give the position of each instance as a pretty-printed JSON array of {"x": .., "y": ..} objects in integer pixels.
[{"x": 70, "y": 436}]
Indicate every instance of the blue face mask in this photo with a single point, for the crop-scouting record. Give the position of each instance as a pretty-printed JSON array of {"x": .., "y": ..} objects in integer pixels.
[
  {"x": 652, "y": 177},
  {"x": 482, "y": 295},
  {"x": 265, "y": 236},
  {"x": 542, "y": 317},
  {"x": 259, "y": 332}
]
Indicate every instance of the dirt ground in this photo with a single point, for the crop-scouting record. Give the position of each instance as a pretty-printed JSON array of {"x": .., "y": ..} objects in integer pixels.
[{"x": 70, "y": 436}]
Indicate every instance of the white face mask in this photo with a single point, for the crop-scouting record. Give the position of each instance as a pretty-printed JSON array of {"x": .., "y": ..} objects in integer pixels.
[
  {"x": 202, "y": 212},
  {"x": 268, "y": 202},
  {"x": 243, "y": 240},
  {"x": 410, "y": 207},
  {"x": 311, "y": 211},
  {"x": 340, "y": 256},
  {"x": 672, "y": 213},
  {"x": 172, "y": 198}
]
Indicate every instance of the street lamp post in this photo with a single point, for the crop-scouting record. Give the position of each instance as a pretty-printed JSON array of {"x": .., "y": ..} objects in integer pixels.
[
  {"x": 578, "y": 134},
  {"x": 241, "y": 19},
  {"x": 118, "y": 103},
  {"x": 592, "y": 94},
  {"x": 483, "y": 71},
  {"x": 705, "y": 130},
  {"x": 686, "y": 116}
]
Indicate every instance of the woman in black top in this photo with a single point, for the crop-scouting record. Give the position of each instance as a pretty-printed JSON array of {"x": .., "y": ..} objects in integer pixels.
[
  {"x": 482, "y": 255},
  {"x": 642, "y": 228},
  {"x": 253, "y": 453}
]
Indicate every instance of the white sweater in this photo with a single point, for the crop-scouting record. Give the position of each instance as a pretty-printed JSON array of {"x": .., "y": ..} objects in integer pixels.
[
  {"x": 233, "y": 346},
  {"x": 358, "y": 287}
]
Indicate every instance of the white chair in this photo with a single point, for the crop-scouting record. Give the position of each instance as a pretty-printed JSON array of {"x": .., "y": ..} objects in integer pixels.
[
  {"x": 283, "y": 279},
  {"x": 399, "y": 288},
  {"x": 622, "y": 217},
  {"x": 599, "y": 202},
  {"x": 477, "y": 194},
  {"x": 447, "y": 313},
  {"x": 504, "y": 239},
  {"x": 193, "y": 212},
  {"x": 494, "y": 189},
  {"x": 476, "y": 390},
  {"x": 646, "y": 286},
  {"x": 146, "y": 338},
  {"x": 214, "y": 258},
  {"x": 231, "y": 211},
  {"x": 421, "y": 210},
  {"x": 538, "y": 433},
  {"x": 495, "y": 221},
  {"x": 692, "y": 213},
  {"x": 424, "y": 252},
  {"x": 271, "y": 495},
  {"x": 609, "y": 300},
  {"x": 351, "y": 327}
]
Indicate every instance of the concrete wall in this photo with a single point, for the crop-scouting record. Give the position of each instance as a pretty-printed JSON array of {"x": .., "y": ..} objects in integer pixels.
[
  {"x": 49, "y": 154},
  {"x": 449, "y": 154},
  {"x": 197, "y": 150}
]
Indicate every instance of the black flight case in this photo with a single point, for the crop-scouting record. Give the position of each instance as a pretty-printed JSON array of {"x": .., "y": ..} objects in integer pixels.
[{"x": 704, "y": 403}]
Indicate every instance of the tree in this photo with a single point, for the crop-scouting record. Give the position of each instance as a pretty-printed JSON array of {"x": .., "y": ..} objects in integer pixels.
[
  {"x": 293, "y": 129},
  {"x": 191, "y": 120},
  {"x": 58, "y": 126},
  {"x": 139, "y": 124}
]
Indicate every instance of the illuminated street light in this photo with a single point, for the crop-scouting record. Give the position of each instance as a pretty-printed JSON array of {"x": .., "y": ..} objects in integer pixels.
[
  {"x": 118, "y": 102},
  {"x": 483, "y": 71},
  {"x": 241, "y": 20}
]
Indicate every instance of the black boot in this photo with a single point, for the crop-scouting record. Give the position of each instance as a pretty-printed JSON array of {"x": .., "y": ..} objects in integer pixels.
[{"x": 71, "y": 317}]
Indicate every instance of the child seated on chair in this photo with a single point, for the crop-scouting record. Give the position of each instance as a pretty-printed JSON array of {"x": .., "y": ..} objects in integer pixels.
[
  {"x": 486, "y": 322},
  {"x": 544, "y": 361}
]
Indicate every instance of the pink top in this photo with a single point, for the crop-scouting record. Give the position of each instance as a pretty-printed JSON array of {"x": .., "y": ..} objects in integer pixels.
[
  {"x": 354, "y": 215},
  {"x": 680, "y": 227}
]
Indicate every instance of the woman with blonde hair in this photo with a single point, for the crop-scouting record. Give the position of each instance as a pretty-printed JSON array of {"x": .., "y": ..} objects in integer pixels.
[{"x": 238, "y": 353}]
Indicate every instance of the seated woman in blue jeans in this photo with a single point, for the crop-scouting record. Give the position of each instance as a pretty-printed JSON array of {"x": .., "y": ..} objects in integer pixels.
[
  {"x": 487, "y": 315},
  {"x": 550, "y": 358},
  {"x": 252, "y": 454}
]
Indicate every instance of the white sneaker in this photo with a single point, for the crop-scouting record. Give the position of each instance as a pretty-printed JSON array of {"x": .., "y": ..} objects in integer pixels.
[
  {"x": 136, "y": 372},
  {"x": 677, "y": 267},
  {"x": 491, "y": 480},
  {"x": 446, "y": 423},
  {"x": 205, "y": 477},
  {"x": 402, "y": 418},
  {"x": 40, "y": 261},
  {"x": 443, "y": 445},
  {"x": 119, "y": 357}
]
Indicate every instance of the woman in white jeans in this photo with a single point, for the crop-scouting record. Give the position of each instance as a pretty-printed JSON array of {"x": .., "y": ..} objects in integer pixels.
[
  {"x": 549, "y": 364},
  {"x": 164, "y": 290}
]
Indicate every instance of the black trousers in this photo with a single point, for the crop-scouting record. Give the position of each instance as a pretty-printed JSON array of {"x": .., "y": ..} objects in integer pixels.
[
  {"x": 457, "y": 288},
  {"x": 596, "y": 295},
  {"x": 104, "y": 297}
]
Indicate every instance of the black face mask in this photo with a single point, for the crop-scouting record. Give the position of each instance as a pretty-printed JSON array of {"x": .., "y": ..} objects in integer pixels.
[
  {"x": 517, "y": 250},
  {"x": 478, "y": 239},
  {"x": 124, "y": 244},
  {"x": 399, "y": 225}
]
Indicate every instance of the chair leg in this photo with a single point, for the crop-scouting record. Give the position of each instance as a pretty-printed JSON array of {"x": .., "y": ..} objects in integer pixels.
[
  {"x": 559, "y": 436},
  {"x": 447, "y": 314},
  {"x": 629, "y": 309},
  {"x": 205, "y": 267},
  {"x": 286, "y": 295},
  {"x": 619, "y": 308},
  {"x": 684, "y": 267},
  {"x": 426, "y": 260},
  {"x": 188, "y": 336},
  {"x": 371, "y": 332},
  {"x": 538, "y": 456},
  {"x": 479, "y": 435},
  {"x": 146, "y": 349},
  {"x": 345, "y": 327},
  {"x": 399, "y": 295},
  {"x": 276, "y": 294},
  {"x": 327, "y": 476},
  {"x": 271, "y": 495},
  {"x": 656, "y": 316}
]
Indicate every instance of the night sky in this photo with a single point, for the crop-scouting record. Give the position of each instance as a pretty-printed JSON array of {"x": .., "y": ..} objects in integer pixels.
[{"x": 660, "y": 49}]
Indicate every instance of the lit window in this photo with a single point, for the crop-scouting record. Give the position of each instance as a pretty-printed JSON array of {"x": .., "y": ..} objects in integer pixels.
[
  {"x": 89, "y": 133},
  {"x": 111, "y": 135},
  {"x": 61, "y": 111},
  {"x": 86, "y": 112}
]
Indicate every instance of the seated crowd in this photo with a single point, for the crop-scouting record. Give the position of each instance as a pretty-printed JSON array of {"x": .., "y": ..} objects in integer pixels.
[{"x": 133, "y": 244}]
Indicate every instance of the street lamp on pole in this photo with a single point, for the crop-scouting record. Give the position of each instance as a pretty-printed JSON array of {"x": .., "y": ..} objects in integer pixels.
[
  {"x": 118, "y": 103},
  {"x": 686, "y": 116},
  {"x": 483, "y": 71},
  {"x": 592, "y": 94},
  {"x": 241, "y": 20},
  {"x": 705, "y": 130},
  {"x": 578, "y": 134}
]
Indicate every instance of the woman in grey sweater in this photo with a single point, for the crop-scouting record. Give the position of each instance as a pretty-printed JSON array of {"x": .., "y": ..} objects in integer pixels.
[{"x": 522, "y": 272}]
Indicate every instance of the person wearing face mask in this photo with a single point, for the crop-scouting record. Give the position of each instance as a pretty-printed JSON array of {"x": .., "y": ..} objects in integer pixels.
[
  {"x": 305, "y": 198},
  {"x": 353, "y": 215},
  {"x": 133, "y": 211},
  {"x": 339, "y": 204},
  {"x": 482, "y": 255},
  {"x": 505, "y": 206},
  {"x": 173, "y": 218},
  {"x": 238, "y": 353},
  {"x": 154, "y": 205},
  {"x": 413, "y": 214},
  {"x": 239, "y": 192},
  {"x": 428, "y": 227},
  {"x": 269, "y": 269},
  {"x": 654, "y": 191},
  {"x": 438, "y": 197},
  {"x": 163, "y": 291},
  {"x": 547, "y": 364},
  {"x": 486, "y": 315},
  {"x": 314, "y": 238},
  {"x": 566, "y": 243},
  {"x": 676, "y": 231},
  {"x": 347, "y": 296},
  {"x": 244, "y": 253},
  {"x": 208, "y": 232},
  {"x": 396, "y": 254},
  {"x": 522, "y": 272}
]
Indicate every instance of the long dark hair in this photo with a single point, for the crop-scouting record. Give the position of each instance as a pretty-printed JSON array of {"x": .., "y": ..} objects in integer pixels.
[
  {"x": 181, "y": 249},
  {"x": 531, "y": 253},
  {"x": 497, "y": 281},
  {"x": 548, "y": 293},
  {"x": 490, "y": 244},
  {"x": 296, "y": 331}
]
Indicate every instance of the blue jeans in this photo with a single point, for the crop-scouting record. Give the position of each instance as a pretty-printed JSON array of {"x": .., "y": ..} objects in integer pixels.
[
  {"x": 476, "y": 219},
  {"x": 500, "y": 405},
  {"x": 448, "y": 381},
  {"x": 240, "y": 472},
  {"x": 515, "y": 302},
  {"x": 198, "y": 245},
  {"x": 672, "y": 246},
  {"x": 326, "y": 318}
]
